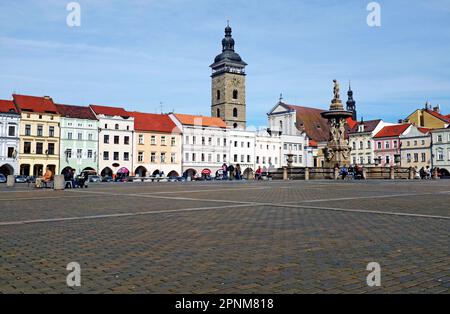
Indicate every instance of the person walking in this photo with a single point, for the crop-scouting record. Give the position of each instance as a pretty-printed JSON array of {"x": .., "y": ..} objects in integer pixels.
[
  {"x": 344, "y": 172},
  {"x": 224, "y": 172},
  {"x": 230, "y": 172},
  {"x": 238, "y": 172}
]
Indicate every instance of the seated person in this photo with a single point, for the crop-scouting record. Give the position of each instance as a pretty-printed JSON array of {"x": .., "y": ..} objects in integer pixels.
[{"x": 48, "y": 176}]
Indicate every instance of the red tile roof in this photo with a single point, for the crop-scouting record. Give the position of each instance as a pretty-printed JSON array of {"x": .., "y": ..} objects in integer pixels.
[
  {"x": 75, "y": 112},
  {"x": 110, "y": 111},
  {"x": 311, "y": 122},
  {"x": 369, "y": 126},
  {"x": 154, "y": 122},
  {"x": 7, "y": 106},
  {"x": 392, "y": 130},
  {"x": 35, "y": 104},
  {"x": 424, "y": 130},
  {"x": 438, "y": 115},
  {"x": 200, "y": 120},
  {"x": 351, "y": 123}
]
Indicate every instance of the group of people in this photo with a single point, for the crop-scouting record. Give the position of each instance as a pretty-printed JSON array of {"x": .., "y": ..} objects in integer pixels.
[
  {"x": 74, "y": 181},
  {"x": 425, "y": 173},
  {"x": 230, "y": 172},
  {"x": 352, "y": 172}
]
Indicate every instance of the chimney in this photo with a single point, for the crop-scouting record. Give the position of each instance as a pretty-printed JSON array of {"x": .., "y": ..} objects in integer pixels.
[{"x": 437, "y": 109}]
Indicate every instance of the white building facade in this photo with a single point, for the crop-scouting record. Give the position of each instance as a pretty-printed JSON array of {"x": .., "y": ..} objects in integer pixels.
[
  {"x": 205, "y": 144},
  {"x": 267, "y": 151},
  {"x": 441, "y": 150},
  {"x": 242, "y": 151},
  {"x": 115, "y": 140},
  {"x": 9, "y": 138}
]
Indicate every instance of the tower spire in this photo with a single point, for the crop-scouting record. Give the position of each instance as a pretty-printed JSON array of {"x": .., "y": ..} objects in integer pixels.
[{"x": 351, "y": 103}]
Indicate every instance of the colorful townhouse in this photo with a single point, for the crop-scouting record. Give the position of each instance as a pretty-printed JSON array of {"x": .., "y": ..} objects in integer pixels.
[
  {"x": 115, "y": 140},
  {"x": 416, "y": 148},
  {"x": 429, "y": 117},
  {"x": 361, "y": 141},
  {"x": 387, "y": 144},
  {"x": 205, "y": 144},
  {"x": 79, "y": 138},
  {"x": 441, "y": 150},
  {"x": 157, "y": 145},
  {"x": 39, "y": 135},
  {"x": 9, "y": 138}
]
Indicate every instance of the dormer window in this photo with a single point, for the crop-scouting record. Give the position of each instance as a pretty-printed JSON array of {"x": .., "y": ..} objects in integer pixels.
[{"x": 361, "y": 128}]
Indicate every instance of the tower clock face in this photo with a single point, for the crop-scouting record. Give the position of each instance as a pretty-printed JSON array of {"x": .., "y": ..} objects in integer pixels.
[{"x": 235, "y": 81}]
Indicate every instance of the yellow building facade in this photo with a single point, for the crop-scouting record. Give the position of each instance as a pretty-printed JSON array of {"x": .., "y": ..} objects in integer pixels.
[
  {"x": 430, "y": 118},
  {"x": 39, "y": 135}
]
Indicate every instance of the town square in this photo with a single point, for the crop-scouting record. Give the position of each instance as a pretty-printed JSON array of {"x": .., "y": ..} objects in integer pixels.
[{"x": 291, "y": 148}]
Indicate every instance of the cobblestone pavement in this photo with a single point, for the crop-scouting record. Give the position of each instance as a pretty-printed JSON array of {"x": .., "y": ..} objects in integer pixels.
[{"x": 237, "y": 237}]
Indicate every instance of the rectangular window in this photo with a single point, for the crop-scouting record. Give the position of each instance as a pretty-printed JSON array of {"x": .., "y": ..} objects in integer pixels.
[
  {"x": 153, "y": 140},
  {"x": 416, "y": 157},
  {"x": 141, "y": 139},
  {"x": 126, "y": 140},
  {"x": 39, "y": 148},
  {"x": 140, "y": 156},
  {"x": 218, "y": 158},
  {"x": 173, "y": 142},
  {"x": 248, "y": 159},
  {"x": 80, "y": 136},
  {"x": 173, "y": 158},
  {"x": 408, "y": 158},
  {"x": 27, "y": 130},
  {"x": 116, "y": 156},
  {"x": 186, "y": 157},
  {"x": 106, "y": 139},
  {"x": 439, "y": 138},
  {"x": 186, "y": 139},
  {"x": 235, "y": 158},
  {"x": 388, "y": 159},
  {"x": 10, "y": 152},
  {"x": 79, "y": 153},
  {"x": 387, "y": 145},
  {"x": 105, "y": 155},
  {"x": 163, "y": 140},
  {"x": 51, "y": 149},
  {"x": 379, "y": 145},
  {"x": 51, "y": 131},
  {"x": 126, "y": 156},
  {"x": 27, "y": 147},
  {"x": 90, "y": 137},
  {"x": 194, "y": 140},
  {"x": 203, "y": 141},
  {"x": 89, "y": 154},
  {"x": 209, "y": 157},
  {"x": 116, "y": 140},
  {"x": 68, "y": 153},
  {"x": 153, "y": 158},
  {"x": 40, "y": 129},
  {"x": 11, "y": 130},
  {"x": 203, "y": 157},
  {"x": 193, "y": 157},
  {"x": 424, "y": 157},
  {"x": 69, "y": 135}
]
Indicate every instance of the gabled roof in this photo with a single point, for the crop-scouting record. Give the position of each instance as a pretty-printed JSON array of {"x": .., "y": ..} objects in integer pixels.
[
  {"x": 424, "y": 130},
  {"x": 392, "y": 130},
  {"x": 438, "y": 115},
  {"x": 369, "y": 126},
  {"x": 7, "y": 106},
  {"x": 34, "y": 104},
  {"x": 187, "y": 119},
  {"x": 75, "y": 112},
  {"x": 110, "y": 111},
  {"x": 310, "y": 121},
  {"x": 154, "y": 122}
]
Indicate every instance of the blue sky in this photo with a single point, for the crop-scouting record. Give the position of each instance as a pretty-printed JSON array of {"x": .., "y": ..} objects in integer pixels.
[{"x": 138, "y": 53}]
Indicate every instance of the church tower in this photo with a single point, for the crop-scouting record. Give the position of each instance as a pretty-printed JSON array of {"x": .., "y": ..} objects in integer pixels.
[
  {"x": 351, "y": 104},
  {"x": 228, "y": 85}
]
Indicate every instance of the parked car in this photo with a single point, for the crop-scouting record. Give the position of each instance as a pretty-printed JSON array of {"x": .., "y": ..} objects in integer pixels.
[
  {"x": 21, "y": 179},
  {"x": 94, "y": 179},
  {"x": 107, "y": 179},
  {"x": 2, "y": 178}
]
